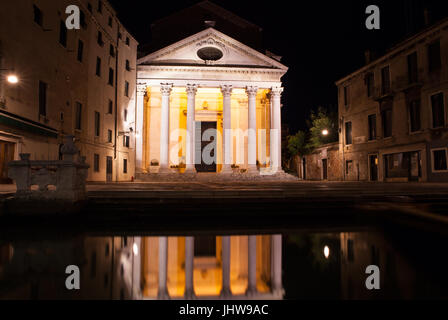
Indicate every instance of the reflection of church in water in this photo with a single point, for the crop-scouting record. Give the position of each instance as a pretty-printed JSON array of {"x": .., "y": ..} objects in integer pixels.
[{"x": 210, "y": 267}]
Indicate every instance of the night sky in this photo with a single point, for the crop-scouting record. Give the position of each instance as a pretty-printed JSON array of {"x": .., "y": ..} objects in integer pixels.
[{"x": 320, "y": 41}]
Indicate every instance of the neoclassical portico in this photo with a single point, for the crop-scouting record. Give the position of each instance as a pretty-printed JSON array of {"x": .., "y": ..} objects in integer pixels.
[{"x": 208, "y": 104}]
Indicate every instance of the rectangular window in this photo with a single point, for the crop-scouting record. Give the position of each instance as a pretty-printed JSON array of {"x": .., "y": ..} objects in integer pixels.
[
  {"x": 89, "y": 7},
  {"x": 128, "y": 42},
  {"x": 100, "y": 6},
  {"x": 370, "y": 83},
  {"x": 100, "y": 38},
  {"x": 386, "y": 116},
  {"x": 438, "y": 110},
  {"x": 439, "y": 160},
  {"x": 112, "y": 51},
  {"x": 111, "y": 77},
  {"x": 42, "y": 98},
  {"x": 348, "y": 166},
  {"x": 372, "y": 127},
  {"x": 78, "y": 118},
  {"x": 414, "y": 115},
  {"x": 126, "y": 89},
  {"x": 126, "y": 141},
  {"x": 125, "y": 165},
  {"x": 96, "y": 162},
  {"x": 62, "y": 34},
  {"x": 98, "y": 66},
  {"x": 109, "y": 136},
  {"x": 412, "y": 68},
  {"x": 348, "y": 133},
  {"x": 434, "y": 59},
  {"x": 110, "y": 22},
  {"x": 80, "y": 50},
  {"x": 125, "y": 115},
  {"x": 97, "y": 124},
  {"x": 345, "y": 96},
  {"x": 385, "y": 80},
  {"x": 38, "y": 16},
  {"x": 110, "y": 107},
  {"x": 128, "y": 65}
]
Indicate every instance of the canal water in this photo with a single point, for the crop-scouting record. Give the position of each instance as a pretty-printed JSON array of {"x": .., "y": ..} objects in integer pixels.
[{"x": 273, "y": 265}]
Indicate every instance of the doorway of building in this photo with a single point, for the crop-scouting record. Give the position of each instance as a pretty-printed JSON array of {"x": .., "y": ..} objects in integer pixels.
[
  {"x": 109, "y": 169},
  {"x": 6, "y": 155},
  {"x": 373, "y": 165},
  {"x": 205, "y": 146},
  {"x": 324, "y": 169},
  {"x": 304, "y": 168}
]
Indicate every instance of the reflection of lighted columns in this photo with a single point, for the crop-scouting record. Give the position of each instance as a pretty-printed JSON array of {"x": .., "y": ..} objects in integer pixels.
[
  {"x": 189, "y": 268},
  {"x": 136, "y": 270},
  {"x": 225, "y": 291},
  {"x": 276, "y": 263},
  {"x": 163, "y": 259},
  {"x": 252, "y": 266}
]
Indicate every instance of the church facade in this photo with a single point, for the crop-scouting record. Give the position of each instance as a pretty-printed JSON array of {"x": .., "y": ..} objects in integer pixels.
[{"x": 208, "y": 103}]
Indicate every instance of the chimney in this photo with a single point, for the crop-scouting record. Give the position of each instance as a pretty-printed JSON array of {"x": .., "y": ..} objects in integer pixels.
[{"x": 427, "y": 17}]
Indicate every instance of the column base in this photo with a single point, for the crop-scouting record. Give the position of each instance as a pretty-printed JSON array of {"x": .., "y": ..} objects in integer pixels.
[
  {"x": 190, "y": 295},
  {"x": 225, "y": 293},
  {"x": 252, "y": 170},
  {"x": 191, "y": 169},
  {"x": 251, "y": 292},
  {"x": 165, "y": 170},
  {"x": 226, "y": 170},
  {"x": 163, "y": 294}
]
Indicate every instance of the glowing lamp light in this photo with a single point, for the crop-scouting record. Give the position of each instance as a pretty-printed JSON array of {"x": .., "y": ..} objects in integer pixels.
[
  {"x": 325, "y": 132},
  {"x": 135, "y": 249},
  {"x": 326, "y": 252},
  {"x": 13, "y": 79}
]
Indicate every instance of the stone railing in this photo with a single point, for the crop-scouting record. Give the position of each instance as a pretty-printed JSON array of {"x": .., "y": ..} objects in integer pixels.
[{"x": 58, "y": 180}]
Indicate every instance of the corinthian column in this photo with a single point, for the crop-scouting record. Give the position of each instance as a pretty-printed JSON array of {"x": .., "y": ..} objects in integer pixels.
[
  {"x": 141, "y": 91},
  {"x": 191, "y": 105},
  {"x": 165, "y": 127},
  {"x": 276, "y": 131},
  {"x": 252, "y": 130},
  {"x": 227, "y": 127}
]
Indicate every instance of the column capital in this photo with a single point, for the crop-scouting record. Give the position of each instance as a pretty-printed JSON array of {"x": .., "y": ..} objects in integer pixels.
[
  {"x": 251, "y": 90},
  {"x": 276, "y": 91},
  {"x": 226, "y": 90},
  {"x": 166, "y": 88},
  {"x": 141, "y": 89},
  {"x": 192, "y": 88}
]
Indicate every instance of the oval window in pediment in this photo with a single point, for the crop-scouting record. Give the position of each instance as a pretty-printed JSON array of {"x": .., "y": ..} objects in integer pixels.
[{"x": 210, "y": 54}]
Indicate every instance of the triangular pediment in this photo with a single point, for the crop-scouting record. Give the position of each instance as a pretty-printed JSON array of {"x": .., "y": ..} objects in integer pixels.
[{"x": 234, "y": 53}]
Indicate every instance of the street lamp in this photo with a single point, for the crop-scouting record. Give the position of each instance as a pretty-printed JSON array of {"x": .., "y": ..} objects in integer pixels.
[
  {"x": 325, "y": 132},
  {"x": 12, "y": 78}
]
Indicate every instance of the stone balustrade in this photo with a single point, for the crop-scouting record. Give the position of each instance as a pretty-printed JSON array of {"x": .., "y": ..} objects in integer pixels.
[{"x": 55, "y": 179}]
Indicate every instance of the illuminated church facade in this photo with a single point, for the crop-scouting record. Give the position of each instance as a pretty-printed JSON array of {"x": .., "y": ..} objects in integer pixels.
[{"x": 208, "y": 103}]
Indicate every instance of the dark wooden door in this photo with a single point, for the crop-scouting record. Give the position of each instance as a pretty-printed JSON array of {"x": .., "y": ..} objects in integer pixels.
[
  {"x": 324, "y": 169},
  {"x": 205, "y": 147},
  {"x": 109, "y": 167},
  {"x": 6, "y": 155},
  {"x": 373, "y": 168}
]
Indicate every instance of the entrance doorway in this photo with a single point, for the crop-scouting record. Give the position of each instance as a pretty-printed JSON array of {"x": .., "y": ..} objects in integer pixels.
[
  {"x": 205, "y": 146},
  {"x": 324, "y": 169},
  {"x": 373, "y": 165},
  {"x": 109, "y": 167},
  {"x": 6, "y": 155}
]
